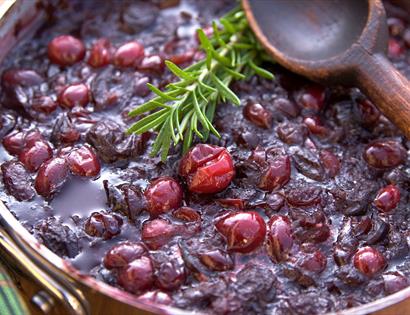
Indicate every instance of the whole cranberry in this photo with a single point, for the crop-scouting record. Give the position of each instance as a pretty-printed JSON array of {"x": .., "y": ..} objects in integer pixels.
[
  {"x": 394, "y": 282},
  {"x": 330, "y": 162},
  {"x": 122, "y": 254},
  {"x": 44, "y": 104},
  {"x": 315, "y": 126},
  {"x": 217, "y": 260},
  {"x": 100, "y": 53},
  {"x": 156, "y": 233},
  {"x": 137, "y": 276},
  {"x": 51, "y": 176},
  {"x": 280, "y": 238},
  {"x": 277, "y": 173},
  {"x": 384, "y": 154},
  {"x": 368, "y": 113},
  {"x": 314, "y": 262},
  {"x": 369, "y": 261},
  {"x": 258, "y": 115},
  {"x": 311, "y": 97},
  {"x": 23, "y": 77},
  {"x": 162, "y": 195},
  {"x": 66, "y": 50},
  {"x": 152, "y": 63},
  {"x": 16, "y": 142},
  {"x": 186, "y": 214},
  {"x": 103, "y": 225},
  {"x": 33, "y": 156},
  {"x": 72, "y": 95},
  {"x": 387, "y": 198},
  {"x": 129, "y": 54},
  {"x": 207, "y": 168},
  {"x": 83, "y": 162},
  {"x": 244, "y": 231}
]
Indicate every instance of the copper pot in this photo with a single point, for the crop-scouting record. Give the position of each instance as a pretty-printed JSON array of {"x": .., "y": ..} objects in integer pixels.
[{"x": 50, "y": 282}]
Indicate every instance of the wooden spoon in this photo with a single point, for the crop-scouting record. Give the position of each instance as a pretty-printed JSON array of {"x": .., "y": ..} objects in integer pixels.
[{"x": 334, "y": 42}]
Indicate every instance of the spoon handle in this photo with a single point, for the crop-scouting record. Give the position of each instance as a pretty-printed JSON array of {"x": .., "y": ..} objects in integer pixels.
[{"x": 387, "y": 88}]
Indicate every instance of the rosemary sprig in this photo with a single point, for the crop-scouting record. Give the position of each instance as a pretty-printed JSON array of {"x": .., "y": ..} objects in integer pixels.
[{"x": 186, "y": 108}]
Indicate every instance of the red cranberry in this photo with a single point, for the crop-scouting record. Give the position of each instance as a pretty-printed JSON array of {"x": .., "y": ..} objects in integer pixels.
[
  {"x": 396, "y": 26},
  {"x": 83, "y": 162},
  {"x": 368, "y": 113},
  {"x": 314, "y": 262},
  {"x": 32, "y": 157},
  {"x": 15, "y": 142},
  {"x": 385, "y": 154},
  {"x": 280, "y": 239},
  {"x": 369, "y": 261},
  {"x": 187, "y": 214},
  {"x": 207, "y": 168},
  {"x": 387, "y": 198},
  {"x": 137, "y": 276},
  {"x": 276, "y": 175},
  {"x": 23, "y": 77},
  {"x": 304, "y": 196},
  {"x": 122, "y": 254},
  {"x": 152, "y": 63},
  {"x": 128, "y": 54},
  {"x": 100, "y": 54},
  {"x": 232, "y": 202},
  {"x": 311, "y": 97},
  {"x": 163, "y": 194},
  {"x": 395, "y": 48},
  {"x": 315, "y": 126},
  {"x": 244, "y": 231},
  {"x": 157, "y": 232},
  {"x": 258, "y": 115},
  {"x": 75, "y": 94},
  {"x": 330, "y": 162},
  {"x": 103, "y": 225},
  {"x": 44, "y": 104},
  {"x": 287, "y": 107},
  {"x": 51, "y": 176},
  {"x": 66, "y": 50},
  {"x": 217, "y": 260},
  {"x": 170, "y": 275},
  {"x": 394, "y": 282},
  {"x": 182, "y": 58}
]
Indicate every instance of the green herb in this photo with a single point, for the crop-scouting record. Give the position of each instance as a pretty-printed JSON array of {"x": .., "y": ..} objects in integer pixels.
[{"x": 186, "y": 108}]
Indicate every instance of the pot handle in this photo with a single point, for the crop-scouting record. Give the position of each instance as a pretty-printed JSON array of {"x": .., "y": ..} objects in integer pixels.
[{"x": 25, "y": 257}]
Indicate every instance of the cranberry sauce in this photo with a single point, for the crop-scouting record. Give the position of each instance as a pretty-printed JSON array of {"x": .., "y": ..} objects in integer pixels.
[{"x": 300, "y": 207}]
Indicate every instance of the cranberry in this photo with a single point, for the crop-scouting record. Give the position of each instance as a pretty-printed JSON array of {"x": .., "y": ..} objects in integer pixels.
[
  {"x": 258, "y": 115},
  {"x": 100, "y": 54},
  {"x": 103, "y": 225},
  {"x": 66, "y": 50},
  {"x": 304, "y": 196},
  {"x": 368, "y": 113},
  {"x": 33, "y": 156},
  {"x": 311, "y": 97},
  {"x": 170, "y": 275},
  {"x": 44, "y": 104},
  {"x": 277, "y": 173},
  {"x": 163, "y": 194},
  {"x": 280, "y": 239},
  {"x": 152, "y": 63},
  {"x": 395, "y": 48},
  {"x": 128, "y": 54},
  {"x": 384, "y": 154},
  {"x": 232, "y": 202},
  {"x": 137, "y": 276},
  {"x": 291, "y": 133},
  {"x": 182, "y": 58},
  {"x": 315, "y": 126},
  {"x": 286, "y": 107},
  {"x": 207, "y": 168},
  {"x": 157, "y": 232},
  {"x": 244, "y": 231},
  {"x": 187, "y": 214},
  {"x": 387, "y": 198},
  {"x": 314, "y": 262},
  {"x": 75, "y": 94},
  {"x": 122, "y": 254},
  {"x": 15, "y": 142},
  {"x": 83, "y": 162},
  {"x": 140, "y": 87},
  {"x": 23, "y": 77},
  {"x": 17, "y": 181},
  {"x": 217, "y": 260},
  {"x": 51, "y": 176},
  {"x": 330, "y": 162},
  {"x": 394, "y": 282},
  {"x": 369, "y": 261}
]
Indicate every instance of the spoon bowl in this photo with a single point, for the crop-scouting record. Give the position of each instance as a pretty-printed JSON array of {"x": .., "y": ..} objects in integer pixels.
[{"x": 334, "y": 42}]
